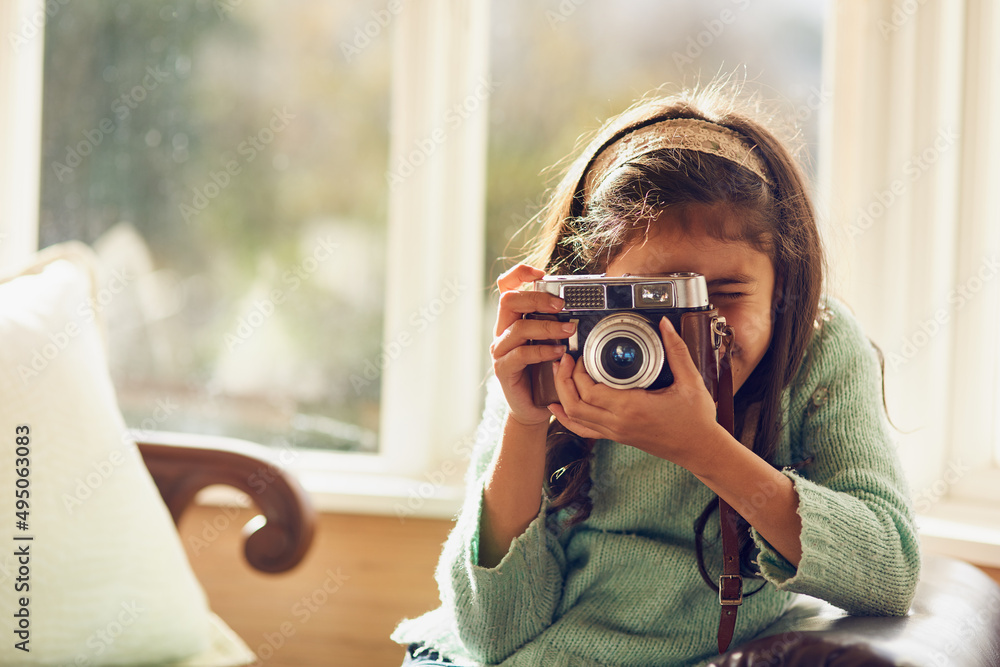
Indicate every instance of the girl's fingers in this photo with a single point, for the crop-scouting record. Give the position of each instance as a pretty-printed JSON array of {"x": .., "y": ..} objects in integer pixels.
[
  {"x": 572, "y": 424},
  {"x": 678, "y": 355},
  {"x": 508, "y": 282},
  {"x": 522, "y": 331},
  {"x": 568, "y": 389},
  {"x": 517, "y": 276},
  {"x": 517, "y": 360},
  {"x": 514, "y": 304},
  {"x": 595, "y": 393}
]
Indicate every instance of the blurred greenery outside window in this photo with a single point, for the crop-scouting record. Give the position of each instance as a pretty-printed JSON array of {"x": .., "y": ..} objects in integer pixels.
[
  {"x": 562, "y": 67},
  {"x": 229, "y": 158},
  {"x": 226, "y": 161}
]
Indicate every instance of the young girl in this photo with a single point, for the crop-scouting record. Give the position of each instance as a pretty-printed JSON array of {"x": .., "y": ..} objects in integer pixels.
[{"x": 585, "y": 539}]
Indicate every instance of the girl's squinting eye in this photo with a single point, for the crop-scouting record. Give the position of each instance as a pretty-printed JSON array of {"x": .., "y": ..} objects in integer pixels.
[{"x": 725, "y": 296}]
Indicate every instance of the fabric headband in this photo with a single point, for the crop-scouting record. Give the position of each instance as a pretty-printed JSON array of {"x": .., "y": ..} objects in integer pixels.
[{"x": 683, "y": 133}]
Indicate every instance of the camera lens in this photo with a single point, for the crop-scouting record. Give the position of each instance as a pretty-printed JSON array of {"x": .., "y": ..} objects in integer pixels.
[
  {"x": 622, "y": 358},
  {"x": 623, "y": 350}
]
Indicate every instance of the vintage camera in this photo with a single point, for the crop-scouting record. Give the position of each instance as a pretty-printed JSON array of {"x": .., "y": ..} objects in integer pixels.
[{"x": 617, "y": 334}]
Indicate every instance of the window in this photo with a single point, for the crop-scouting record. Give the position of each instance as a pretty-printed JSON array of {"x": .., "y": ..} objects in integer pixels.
[
  {"x": 357, "y": 144},
  {"x": 226, "y": 159},
  {"x": 561, "y": 67},
  {"x": 382, "y": 342},
  {"x": 910, "y": 179}
]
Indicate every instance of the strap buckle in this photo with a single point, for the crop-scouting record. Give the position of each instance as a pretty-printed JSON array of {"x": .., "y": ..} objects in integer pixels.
[
  {"x": 720, "y": 330},
  {"x": 730, "y": 590}
]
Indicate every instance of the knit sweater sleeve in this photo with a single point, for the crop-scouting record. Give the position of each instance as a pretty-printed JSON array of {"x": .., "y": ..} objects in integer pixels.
[
  {"x": 498, "y": 609},
  {"x": 859, "y": 543}
]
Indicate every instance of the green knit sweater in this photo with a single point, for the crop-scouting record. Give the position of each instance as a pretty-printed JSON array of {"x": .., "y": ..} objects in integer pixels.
[{"x": 622, "y": 587}]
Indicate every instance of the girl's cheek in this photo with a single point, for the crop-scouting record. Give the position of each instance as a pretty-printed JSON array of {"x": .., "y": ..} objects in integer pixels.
[
  {"x": 752, "y": 330},
  {"x": 741, "y": 319},
  {"x": 756, "y": 327}
]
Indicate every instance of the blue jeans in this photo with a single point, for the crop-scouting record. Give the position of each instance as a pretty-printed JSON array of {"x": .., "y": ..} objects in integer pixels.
[{"x": 423, "y": 656}]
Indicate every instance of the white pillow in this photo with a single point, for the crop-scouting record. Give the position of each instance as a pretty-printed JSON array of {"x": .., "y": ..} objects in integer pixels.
[{"x": 106, "y": 579}]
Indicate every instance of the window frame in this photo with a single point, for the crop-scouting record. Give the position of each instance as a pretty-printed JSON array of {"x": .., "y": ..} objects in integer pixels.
[
  {"x": 22, "y": 25},
  {"x": 432, "y": 389}
]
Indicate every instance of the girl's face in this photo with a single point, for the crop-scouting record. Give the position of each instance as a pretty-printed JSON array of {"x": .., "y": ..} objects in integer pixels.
[{"x": 740, "y": 277}]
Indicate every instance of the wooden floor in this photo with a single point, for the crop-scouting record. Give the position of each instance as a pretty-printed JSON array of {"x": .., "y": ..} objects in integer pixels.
[{"x": 379, "y": 569}]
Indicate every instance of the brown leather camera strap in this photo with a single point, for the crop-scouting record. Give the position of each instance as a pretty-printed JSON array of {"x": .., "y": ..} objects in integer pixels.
[{"x": 730, "y": 583}]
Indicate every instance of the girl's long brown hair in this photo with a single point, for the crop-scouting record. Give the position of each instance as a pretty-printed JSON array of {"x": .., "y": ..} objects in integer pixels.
[{"x": 579, "y": 237}]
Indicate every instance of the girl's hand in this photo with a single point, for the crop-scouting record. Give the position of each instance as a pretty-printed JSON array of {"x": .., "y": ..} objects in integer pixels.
[
  {"x": 511, "y": 355},
  {"x": 677, "y": 423}
]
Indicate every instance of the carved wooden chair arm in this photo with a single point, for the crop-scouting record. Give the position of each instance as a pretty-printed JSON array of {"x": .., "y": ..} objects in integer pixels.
[{"x": 184, "y": 464}]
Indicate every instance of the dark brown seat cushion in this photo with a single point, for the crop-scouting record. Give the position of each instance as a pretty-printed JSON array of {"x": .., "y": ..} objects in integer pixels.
[{"x": 954, "y": 621}]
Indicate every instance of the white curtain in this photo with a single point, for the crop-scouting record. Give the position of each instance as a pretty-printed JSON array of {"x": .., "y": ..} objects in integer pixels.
[{"x": 909, "y": 180}]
